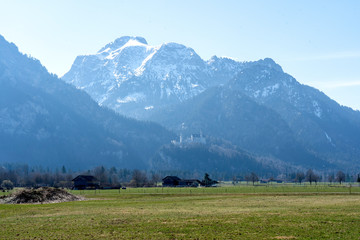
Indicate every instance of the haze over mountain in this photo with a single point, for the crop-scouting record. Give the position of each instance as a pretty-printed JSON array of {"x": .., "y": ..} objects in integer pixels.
[
  {"x": 133, "y": 78},
  {"x": 320, "y": 124},
  {"x": 44, "y": 121},
  {"x": 278, "y": 117},
  {"x": 254, "y": 105}
]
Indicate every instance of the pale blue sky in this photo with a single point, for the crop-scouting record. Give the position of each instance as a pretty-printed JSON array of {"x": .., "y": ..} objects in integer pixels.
[{"x": 317, "y": 42}]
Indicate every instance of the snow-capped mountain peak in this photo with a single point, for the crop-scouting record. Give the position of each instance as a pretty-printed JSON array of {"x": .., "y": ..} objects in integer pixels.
[
  {"x": 129, "y": 68},
  {"x": 119, "y": 42},
  {"x": 128, "y": 74}
]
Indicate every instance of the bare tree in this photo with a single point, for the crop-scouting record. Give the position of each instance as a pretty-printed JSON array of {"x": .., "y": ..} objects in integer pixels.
[
  {"x": 300, "y": 176},
  {"x": 139, "y": 179},
  {"x": 311, "y": 176},
  {"x": 155, "y": 178},
  {"x": 234, "y": 180},
  {"x": 100, "y": 174},
  {"x": 340, "y": 176},
  {"x": 252, "y": 177}
]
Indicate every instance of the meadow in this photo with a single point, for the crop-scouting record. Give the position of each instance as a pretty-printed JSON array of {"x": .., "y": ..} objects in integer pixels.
[{"x": 278, "y": 211}]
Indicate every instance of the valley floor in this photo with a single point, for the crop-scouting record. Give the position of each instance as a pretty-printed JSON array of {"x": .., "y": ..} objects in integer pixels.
[{"x": 243, "y": 212}]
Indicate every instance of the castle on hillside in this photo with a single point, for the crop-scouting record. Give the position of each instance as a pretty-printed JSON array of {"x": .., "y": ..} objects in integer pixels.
[{"x": 195, "y": 138}]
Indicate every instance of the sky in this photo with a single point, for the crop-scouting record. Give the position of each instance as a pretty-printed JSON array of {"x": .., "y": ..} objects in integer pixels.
[{"x": 317, "y": 42}]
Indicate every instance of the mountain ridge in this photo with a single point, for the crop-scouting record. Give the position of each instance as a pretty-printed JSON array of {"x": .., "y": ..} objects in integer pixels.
[
  {"x": 45, "y": 121},
  {"x": 174, "y": 76},
  {"x": 255, "y": 106},
  {"x": 137, "y": 78}
]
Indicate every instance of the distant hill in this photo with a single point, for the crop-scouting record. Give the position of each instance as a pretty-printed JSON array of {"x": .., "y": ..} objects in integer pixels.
[
  {"x": 44, "y": 121},
  {"x": 216, "y": 159},
  {"x": 231, "y": 115}
]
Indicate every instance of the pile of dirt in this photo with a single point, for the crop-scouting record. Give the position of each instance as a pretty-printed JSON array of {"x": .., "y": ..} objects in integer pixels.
[{"x": 40, "y": 195}]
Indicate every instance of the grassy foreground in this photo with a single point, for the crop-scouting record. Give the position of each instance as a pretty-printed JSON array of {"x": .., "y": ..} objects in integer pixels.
[{"x": 173, "y": 213}]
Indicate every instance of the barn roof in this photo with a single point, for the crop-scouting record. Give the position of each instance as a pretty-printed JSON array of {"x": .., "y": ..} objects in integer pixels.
[
  {"x": 85, "y": 177},
  {"x": 173, "y": 178}
]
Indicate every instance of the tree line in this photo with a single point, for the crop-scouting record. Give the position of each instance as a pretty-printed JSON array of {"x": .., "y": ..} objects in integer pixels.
[
  {"x": 299, "y": 177},
  {"x": 24, "y": 176},
  {"x": 14, "y": 175}
]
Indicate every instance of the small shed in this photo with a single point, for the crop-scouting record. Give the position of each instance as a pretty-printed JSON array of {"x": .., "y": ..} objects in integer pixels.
[
  {"x": 170, "y": 181},
  {"x": 86, "y": 182}
]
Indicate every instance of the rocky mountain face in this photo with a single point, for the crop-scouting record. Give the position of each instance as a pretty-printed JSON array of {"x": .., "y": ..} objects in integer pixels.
[
  {"x": 134, "y": 78},
  {"x": 254, "y": 105},
  {"x": 44, "y": 121},
  {"x": 229, "y": 114},
  {"x": 320, "y": 124},
  {"x": 266, "y": 111}
]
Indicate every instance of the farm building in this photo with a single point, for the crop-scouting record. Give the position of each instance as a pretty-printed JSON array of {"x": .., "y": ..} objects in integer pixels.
[
  {"x": 189, "y": 183},
  {"x": 174, "y": 181},
  {"x": 170, "y": 181},
  {"x": 86, "y": 182}
]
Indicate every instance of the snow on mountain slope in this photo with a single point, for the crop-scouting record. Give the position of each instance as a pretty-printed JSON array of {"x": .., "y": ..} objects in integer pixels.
[
  {"x": 147, "y": 82},
  {"x": 132, "y": 77},
  {"x": 105, "y": 71}
]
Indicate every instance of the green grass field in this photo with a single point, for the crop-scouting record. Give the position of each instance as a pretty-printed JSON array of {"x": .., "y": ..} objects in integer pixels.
[{"x": 239, "y": 212}]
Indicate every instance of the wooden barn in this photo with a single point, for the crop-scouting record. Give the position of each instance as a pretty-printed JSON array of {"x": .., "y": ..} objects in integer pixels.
[
  {"x": 170, "y": 181},
  {"x": 174, "y": 181},
  {"x": 86, "y": 182}
]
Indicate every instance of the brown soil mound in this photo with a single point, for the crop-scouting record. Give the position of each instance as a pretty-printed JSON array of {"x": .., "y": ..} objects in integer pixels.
[{"x": 41, "y": 195}]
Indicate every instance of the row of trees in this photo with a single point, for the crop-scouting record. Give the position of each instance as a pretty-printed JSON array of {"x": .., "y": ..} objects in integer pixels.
[
  {"x": 299, "y": 177},
  {"x": 311, "y": 177},
  {"x": 109, "y": 178},
  {"x": 24, "y": 176}
]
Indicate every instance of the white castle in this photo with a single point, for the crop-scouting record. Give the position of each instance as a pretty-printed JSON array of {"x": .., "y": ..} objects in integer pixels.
[{"x": 194, "y": 138}]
